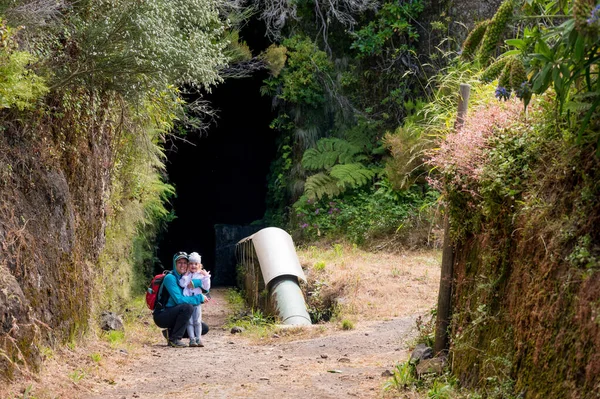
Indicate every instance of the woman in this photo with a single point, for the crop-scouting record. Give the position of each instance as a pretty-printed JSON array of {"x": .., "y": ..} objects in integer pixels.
[{"x": 175, "y": 314}]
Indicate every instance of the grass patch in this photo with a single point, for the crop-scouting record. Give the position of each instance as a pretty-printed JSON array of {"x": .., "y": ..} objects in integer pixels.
[
  {"x": 254, "y": 322},
  {"x": 347, "y": 325}
]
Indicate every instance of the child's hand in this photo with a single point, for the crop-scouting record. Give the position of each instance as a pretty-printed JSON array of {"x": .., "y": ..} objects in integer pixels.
[
  {"x": 204, "y": 272},
  {"x": 191, "y": 285}
]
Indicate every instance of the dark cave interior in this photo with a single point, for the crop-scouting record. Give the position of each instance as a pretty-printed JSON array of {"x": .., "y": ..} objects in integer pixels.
[{"x": 221, "y": 177}]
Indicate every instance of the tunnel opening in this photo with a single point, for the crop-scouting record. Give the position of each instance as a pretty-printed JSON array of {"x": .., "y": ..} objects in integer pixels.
[{"x": 221, "y": 176}]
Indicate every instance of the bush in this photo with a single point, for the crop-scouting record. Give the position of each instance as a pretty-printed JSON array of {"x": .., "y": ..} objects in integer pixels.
[{"x": 364, "y": 215}]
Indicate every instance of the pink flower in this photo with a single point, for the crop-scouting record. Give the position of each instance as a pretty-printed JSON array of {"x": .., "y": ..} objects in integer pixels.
[{"x": 462, "y": 155}]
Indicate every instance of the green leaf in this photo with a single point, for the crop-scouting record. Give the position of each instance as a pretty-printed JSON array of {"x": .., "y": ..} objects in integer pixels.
[
  {"x": 543, "y": 49},
  {"x": 579, "y": 49},
  {"x": 511, "y": 53},
  {"x": 353, "y": 175},
  {"x": 518, "y": 43},
  {"x": 320, "y": 185},
  {"x": 542, "y": 79}
]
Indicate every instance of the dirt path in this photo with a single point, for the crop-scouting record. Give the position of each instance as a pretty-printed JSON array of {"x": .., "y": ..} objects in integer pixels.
[{"x": 230, "y": 366}]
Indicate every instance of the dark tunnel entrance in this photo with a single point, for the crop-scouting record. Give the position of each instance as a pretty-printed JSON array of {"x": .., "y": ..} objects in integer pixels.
[{"x": 221, "y": 178}]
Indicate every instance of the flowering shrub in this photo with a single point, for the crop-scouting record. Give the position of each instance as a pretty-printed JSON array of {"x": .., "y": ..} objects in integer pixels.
[{"x": 463, "y": 154}]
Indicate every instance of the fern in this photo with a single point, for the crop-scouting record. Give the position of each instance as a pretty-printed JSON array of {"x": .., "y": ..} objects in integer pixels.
[
  {"x": 330, "y": 151},
  {"x": 353, "y": 175},
  {"x": 322, "y": 184}
]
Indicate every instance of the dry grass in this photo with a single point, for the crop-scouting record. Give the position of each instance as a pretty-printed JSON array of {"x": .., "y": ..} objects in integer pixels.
[{"x": 373, "y": 286}]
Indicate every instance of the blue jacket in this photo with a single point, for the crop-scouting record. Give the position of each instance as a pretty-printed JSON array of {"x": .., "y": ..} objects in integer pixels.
[{"x": 176, "y": 292}]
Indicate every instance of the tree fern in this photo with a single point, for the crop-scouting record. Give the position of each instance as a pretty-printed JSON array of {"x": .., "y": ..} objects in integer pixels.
[
  {"x": 322, "y": 184},
  {"x": 331, "y": 151},
  {"x": 352, "y": 175}
]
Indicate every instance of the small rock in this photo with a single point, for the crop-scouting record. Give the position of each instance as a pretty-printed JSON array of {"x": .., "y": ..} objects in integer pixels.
[
  {"x": 420, "y": 353},
  {"x": 280, "y": 356},
  {"x": 237, "y": 330},
  {"x": 231, "y": 342},
  {"x": 123, "y": 351},
  {"x": 264, "y": 378},
  {"x": 431, "y": 366},
  {"x": 387, "y": 373},
  {"x": 275, "y": 335},
  {"x": 344, "y": 360},
  {"x": 367, "y": 334},
  {"x": 110, "y": 321},
  {"x": 324, "y": 356}
]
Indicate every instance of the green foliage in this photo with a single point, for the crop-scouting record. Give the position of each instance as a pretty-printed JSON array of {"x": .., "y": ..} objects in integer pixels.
[
  {"x": 329, "y": 152},
  {"x": 20, "y": 87},
  {"x": 441, "y": 390},
  {"x": 114, "y": 337},
  {"x": 302, "y": 81},
  {"x": 131, "y": 47},
  {"x": 473, "y": 40},
  {"x": 495, "y": 69},
  {"x": 559, "y": 51},
  {"x": 319, "y": 266},
  {"x": 392, "y": 28},
  {"x": 364, "y": 214},
  {"x": 347, "y": 325},
  {"x": 237, "y": 50},
  {"x": 583, "y": 254},
  {"x": 494, "y": 31},
  {"x": 138, "y": 200},
  {"x": 340, "y": 160},
  {"x": 403, "y": 378},
  {"x": 275, "y": 57}
]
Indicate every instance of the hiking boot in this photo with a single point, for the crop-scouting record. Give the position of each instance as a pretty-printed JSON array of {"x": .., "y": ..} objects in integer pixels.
[
  {"x": 199, "y": 343},
  {"x": 165, "y": 334},
  {"x": 177, "y": 344},
  {"x": 193, "y": 342}
]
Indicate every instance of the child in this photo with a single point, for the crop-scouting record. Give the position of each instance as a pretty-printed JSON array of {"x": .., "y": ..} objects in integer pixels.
[{"x": 195, "y": 272}]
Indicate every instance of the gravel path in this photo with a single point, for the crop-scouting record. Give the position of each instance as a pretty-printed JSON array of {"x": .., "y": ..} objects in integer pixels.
[{"x": 345, "y": 364}]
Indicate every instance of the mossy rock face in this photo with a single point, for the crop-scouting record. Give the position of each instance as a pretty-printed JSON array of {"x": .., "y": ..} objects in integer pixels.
[
  {"x": 526, "y": 300},
  {"x": 16, "y": 327},
  {"x": 52, "y": 217}
]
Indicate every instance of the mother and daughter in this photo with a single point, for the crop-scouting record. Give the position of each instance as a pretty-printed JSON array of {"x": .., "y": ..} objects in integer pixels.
[{"x": 186, "y": 286}]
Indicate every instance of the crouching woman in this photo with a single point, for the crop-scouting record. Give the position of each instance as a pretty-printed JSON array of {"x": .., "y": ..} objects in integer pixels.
[{"x": 177, "y": 310}]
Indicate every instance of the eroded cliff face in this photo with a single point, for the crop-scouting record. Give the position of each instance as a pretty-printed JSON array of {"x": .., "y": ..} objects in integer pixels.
[{"x": 54, "y": 180}]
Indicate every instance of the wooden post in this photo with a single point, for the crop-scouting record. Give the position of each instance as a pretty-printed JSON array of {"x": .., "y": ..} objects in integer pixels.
[{"x": 445, "y": 293}]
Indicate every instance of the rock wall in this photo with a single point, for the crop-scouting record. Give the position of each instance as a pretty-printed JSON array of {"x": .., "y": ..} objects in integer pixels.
[
  {"x": 526, "y": 299},
  {"x": 54, "y": 182}
]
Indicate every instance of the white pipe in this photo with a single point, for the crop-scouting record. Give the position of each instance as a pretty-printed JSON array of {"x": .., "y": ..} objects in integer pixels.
[{"x": 281, "y": 271}]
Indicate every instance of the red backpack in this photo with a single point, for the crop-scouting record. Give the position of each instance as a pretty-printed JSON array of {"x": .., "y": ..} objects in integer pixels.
[{"x": 155, "y": 297}]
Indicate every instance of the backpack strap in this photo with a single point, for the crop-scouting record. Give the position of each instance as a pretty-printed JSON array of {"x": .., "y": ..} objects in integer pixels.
[{"x": 162, "y": 298}]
